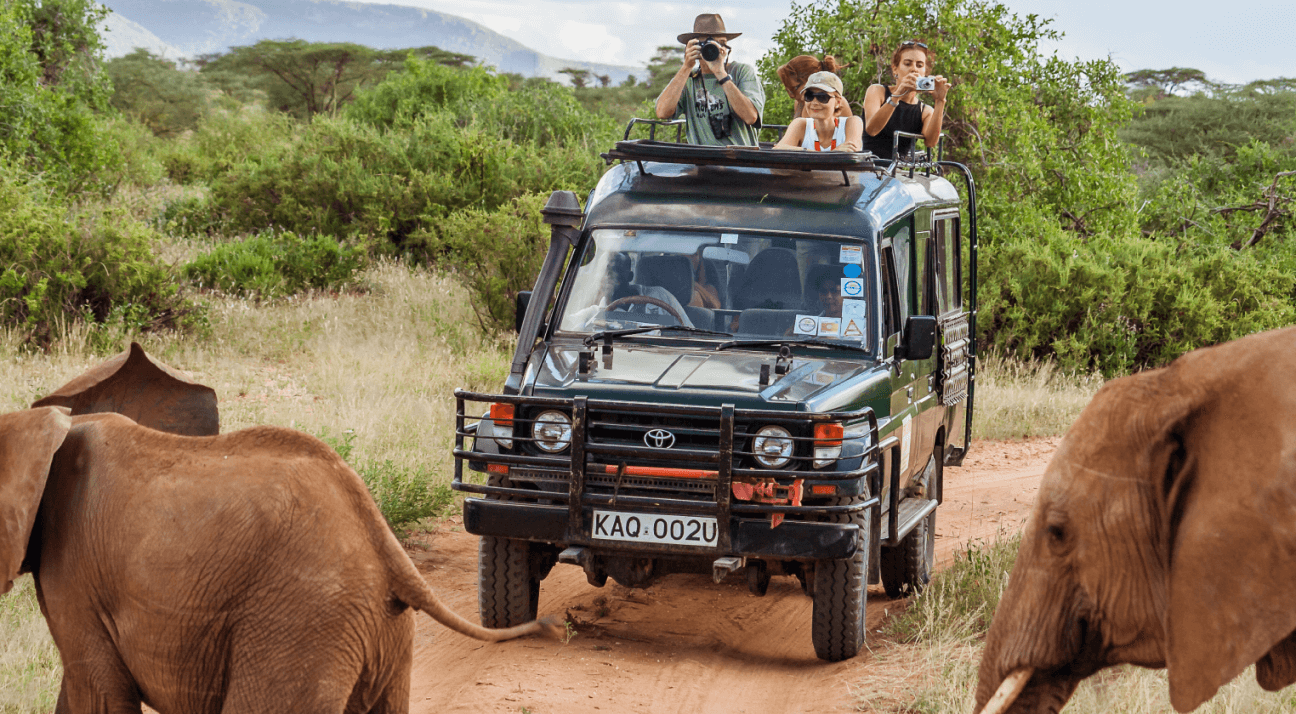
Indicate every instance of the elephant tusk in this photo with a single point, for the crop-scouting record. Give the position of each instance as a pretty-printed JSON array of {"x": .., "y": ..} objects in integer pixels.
[{"x": 1007, "y": 693}]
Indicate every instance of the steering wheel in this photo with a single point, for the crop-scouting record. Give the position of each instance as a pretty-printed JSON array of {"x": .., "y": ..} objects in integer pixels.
[{"x": 645, "y": 300}]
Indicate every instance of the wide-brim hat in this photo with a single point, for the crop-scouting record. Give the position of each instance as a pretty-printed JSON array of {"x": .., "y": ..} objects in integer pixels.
[
  {"x": 824, "y": 80},
  {"x": 707, "y": 25}
]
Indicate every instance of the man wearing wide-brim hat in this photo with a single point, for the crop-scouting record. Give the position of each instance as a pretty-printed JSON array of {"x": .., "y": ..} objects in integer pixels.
[{"x": 722, "y": 101}]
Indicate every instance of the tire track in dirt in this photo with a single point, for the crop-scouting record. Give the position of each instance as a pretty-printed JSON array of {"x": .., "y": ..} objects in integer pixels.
[{"x": 686, "y": 644}]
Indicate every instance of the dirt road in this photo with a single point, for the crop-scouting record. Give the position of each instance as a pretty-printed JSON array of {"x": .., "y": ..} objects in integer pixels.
[{"x": 686, "y": 644}]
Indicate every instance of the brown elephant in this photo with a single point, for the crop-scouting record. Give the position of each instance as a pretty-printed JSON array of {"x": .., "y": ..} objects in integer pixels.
[
  {"x": 1164, "y": 535},
  {"x": 246, "y": 572}
]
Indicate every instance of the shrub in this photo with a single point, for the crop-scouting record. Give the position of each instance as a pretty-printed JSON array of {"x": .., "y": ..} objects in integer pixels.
[
  {"x": 403, "y": 495},
  {"x": 344, "y": 178},
  {"x": 1117, "y": 305},
  {"x": 91, "y": 263},
  {"x": 272, "y": 265},
  {"x": 496, "y": 254}
]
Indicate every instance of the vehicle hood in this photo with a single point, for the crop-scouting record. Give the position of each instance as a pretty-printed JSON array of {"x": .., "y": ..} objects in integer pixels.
[{"x": 702, "y": 376}]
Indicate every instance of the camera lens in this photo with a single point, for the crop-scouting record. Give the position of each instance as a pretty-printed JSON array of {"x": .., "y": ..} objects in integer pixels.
[{"x": 710, "y": 50}]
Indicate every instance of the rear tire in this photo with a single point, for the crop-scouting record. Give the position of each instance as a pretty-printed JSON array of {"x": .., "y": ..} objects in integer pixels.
[
  {"x": 907, "y": 568},
  {"x": 841, "y": 594},
  {"x": 508, "y": 592}
]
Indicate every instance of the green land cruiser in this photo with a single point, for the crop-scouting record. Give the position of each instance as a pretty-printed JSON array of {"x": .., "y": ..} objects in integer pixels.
[{"x": 734, "y": 359}]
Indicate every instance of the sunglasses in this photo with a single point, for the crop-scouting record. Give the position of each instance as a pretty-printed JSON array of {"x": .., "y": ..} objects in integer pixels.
[
  {"x": 912, "y": 43},
  {"x": 812, "y": 96}
]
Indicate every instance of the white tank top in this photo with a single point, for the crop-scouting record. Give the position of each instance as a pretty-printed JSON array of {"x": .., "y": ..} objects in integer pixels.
[{"x": 811, "y": 141}]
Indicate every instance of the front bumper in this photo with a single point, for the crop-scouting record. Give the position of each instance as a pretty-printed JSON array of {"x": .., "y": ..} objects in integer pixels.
[{"x": 792, "y": 540}]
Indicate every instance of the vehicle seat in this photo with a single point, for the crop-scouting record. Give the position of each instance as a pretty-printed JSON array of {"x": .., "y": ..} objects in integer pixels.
[
  {"x": 675, "y": 274},
  {"x": 772, "y": 281},
  {"x": 765, "y": 322}
]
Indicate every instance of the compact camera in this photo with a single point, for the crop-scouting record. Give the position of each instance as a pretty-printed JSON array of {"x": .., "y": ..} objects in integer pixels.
[
  {"x": 710, "y": 49},
  {"x": 925, "y": 84}
]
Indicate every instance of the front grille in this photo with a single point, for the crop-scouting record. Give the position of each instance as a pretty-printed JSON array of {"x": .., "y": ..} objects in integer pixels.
[
  {"x": 606, "y": 484},
  {"x": 629, "y": 428}
]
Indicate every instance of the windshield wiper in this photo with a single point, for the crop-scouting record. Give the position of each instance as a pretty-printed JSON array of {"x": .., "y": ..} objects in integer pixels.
[
  {"x": 808, "y": 342},
  {"x": 612, "y": 334}
]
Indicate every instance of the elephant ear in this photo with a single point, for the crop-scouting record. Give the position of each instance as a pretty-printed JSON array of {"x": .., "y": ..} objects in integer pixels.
[
  {"x": 1230, "y": 520},
  {"x": 28, "y": 440},
  {"x": 137, "y": 386}
]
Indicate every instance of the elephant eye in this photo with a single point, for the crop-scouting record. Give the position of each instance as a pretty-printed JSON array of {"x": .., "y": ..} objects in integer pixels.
[{"x": 1056, "y": 533}]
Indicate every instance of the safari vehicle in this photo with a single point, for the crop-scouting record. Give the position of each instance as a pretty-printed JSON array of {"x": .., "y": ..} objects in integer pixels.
[{"x": 795, "y": 426}]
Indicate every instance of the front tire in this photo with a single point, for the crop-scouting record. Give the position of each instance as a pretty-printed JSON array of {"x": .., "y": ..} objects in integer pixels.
[
  {"x": 841, "y": 594},
  {"x": 508, "y": 592}
]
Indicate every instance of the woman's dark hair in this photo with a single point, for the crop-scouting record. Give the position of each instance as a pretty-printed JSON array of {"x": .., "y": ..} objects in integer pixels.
[{"x": 798, "y": 69}]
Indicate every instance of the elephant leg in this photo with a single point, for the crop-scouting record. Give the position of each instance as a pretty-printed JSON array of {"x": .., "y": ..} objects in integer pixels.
[
  {"x": 80, "y": 695},
  {"x": 384, "y": 686}
]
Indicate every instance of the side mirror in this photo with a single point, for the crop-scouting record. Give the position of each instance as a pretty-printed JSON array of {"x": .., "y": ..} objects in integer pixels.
[
  {"x": 919, "y": 338},
  {"x": 523, "y": 300}
]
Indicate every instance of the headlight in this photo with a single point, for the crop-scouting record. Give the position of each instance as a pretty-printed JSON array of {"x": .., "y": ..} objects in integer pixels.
[
  {"x": 552, "y": 431},
  {"x": 773, "y": 447}
]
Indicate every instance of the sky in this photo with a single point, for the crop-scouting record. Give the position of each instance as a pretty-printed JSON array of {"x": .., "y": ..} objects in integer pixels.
[{"x": 1233, "y": 42}]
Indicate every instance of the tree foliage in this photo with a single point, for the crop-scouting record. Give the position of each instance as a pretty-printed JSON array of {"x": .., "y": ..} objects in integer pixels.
[
  {"x": 153, "y": 92},
  {"x": 52, "y": 85}
]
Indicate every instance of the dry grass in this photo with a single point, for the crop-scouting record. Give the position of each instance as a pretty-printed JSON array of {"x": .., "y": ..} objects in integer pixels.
[
  {"x": 29, "y": 662},
  {"x": 1016, "y": 399}
]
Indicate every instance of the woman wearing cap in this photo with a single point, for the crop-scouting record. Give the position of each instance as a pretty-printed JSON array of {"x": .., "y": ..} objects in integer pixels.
[
  {"x": 822, "y": 129},
  {"x": 888, "y": 109}
]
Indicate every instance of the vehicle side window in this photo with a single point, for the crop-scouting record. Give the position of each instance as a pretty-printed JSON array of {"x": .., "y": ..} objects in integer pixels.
[
  {"x": 902, "y": 244},
  {"x": 949, "y": 296},
  {"x": 890, "y": 298},
  {"x": 925, "y": 287}
]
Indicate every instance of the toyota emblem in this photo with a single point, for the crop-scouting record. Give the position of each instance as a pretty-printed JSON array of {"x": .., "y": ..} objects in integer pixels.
[{"x": 659, "y": 439}]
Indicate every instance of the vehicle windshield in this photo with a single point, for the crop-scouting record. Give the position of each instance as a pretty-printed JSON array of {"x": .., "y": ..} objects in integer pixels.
[{"x": 752, "y": 286}]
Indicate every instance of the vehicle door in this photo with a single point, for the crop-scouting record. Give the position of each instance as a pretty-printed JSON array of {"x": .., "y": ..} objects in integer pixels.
[
  {"x": 953, "y": 340},
  {"x": 909, "y": 377}
]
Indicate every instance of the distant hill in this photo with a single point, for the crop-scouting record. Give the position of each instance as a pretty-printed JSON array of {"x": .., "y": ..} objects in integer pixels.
[{"x": 194, "y": 27}]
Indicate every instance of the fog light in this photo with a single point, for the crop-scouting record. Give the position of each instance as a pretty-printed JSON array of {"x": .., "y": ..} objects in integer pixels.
[
  {"x": 827, "y": 444},
  {"x": 773, "y": 447},
  {"x": 502, "y": 418},
  {"x": 552, "y": 431}
]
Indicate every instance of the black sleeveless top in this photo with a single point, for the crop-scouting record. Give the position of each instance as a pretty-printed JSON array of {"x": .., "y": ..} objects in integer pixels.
[{"x": 906, "y": 117}]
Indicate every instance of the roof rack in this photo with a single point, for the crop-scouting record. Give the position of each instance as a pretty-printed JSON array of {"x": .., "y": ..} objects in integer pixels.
[{"x": 642, "y": 150}]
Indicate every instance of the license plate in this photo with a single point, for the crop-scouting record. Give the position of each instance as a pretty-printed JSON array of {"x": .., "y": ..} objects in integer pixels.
[{"x": 654, "y": 528}]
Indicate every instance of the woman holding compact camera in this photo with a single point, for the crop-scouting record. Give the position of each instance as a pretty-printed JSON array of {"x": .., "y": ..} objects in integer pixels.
[
  {"x": 888, "y": 109},
  {"x": 822, "y": 128}
]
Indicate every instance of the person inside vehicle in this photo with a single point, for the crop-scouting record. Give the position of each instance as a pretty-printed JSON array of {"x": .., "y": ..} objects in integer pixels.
[
  {"x": 618, "y": 283},
  {"x": 823, "y": 129},
  {"x": 704, "y": 293},
  {"x": 721, "y": 100},
  {"x": 888, "y": 109},
  {"x": 796, "y": 73},
  {"x": 828, "y": 289}
]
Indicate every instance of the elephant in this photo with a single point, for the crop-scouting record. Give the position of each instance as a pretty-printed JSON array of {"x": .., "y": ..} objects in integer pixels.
[
  {"x": 1164, "y": 535},
  {"x": 243, "y": 572}
]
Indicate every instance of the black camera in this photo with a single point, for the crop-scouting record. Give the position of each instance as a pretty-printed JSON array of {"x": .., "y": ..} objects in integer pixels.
[{"x": 710, "y": 49}]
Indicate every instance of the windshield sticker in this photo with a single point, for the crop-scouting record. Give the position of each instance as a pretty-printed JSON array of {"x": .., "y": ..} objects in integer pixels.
[
  {"x": 851, "y": 254},
  {"x": 852, "y": 270},
  {"x": 728, "y": 238},
  {"x": 854, "y": 310},
  {"x": 807, "y": 325},
  {"x": 852, "y": 329},
  {"x": 852, "y": 287},
  {"x": 829, "y": 326}
]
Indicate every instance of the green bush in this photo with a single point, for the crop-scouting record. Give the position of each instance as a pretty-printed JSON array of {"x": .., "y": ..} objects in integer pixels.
[
  {"x": 1117, "y": 305},
  {"x": 93, "y": 263},
  {"x": 275, "y": 264},
  {"x": 224, "y": 139},
  {"x": 496, "y": 254},
  {"x": 403, "y": 495},
  {"x": 344, "y": 178}
]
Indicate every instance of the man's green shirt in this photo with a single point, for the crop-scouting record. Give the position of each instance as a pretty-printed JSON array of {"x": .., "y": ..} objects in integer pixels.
[{"x": 703, "y": 98}]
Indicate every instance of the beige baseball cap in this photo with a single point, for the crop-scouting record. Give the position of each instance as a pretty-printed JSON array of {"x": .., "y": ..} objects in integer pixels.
[{"x": 824, "y": 80}]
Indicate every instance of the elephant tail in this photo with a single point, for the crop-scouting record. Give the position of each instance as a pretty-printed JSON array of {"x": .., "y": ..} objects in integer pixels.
[{"x": 421, "y": 597}]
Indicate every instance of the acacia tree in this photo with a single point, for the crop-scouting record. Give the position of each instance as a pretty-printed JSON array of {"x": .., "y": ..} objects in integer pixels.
[{"x": 1154, "y": 84}]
